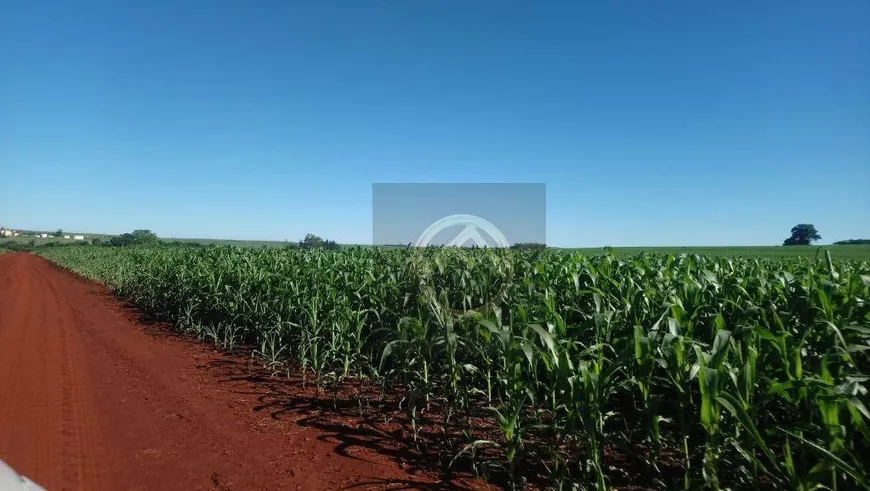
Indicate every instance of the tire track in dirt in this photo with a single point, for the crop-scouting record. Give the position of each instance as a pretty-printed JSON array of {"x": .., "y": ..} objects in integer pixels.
[
  {"x": 9, "y": 302},
  {"x": 91, "y": 400},
  {"x": 80, "y": 448},
  {"x": 40, "y": 424},
  {"x": 15, "y": 321}
]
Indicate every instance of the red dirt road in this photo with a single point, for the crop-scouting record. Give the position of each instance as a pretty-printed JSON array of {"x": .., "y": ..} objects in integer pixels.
[{"x": 90, "y": 399}]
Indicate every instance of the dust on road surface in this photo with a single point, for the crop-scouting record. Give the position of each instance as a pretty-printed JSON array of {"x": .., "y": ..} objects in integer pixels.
[{"x": 90, "y": 400}]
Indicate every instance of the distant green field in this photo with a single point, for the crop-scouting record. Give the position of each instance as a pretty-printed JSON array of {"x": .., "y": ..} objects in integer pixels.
[
  {"x": 857, "y": 252},
  {"x": 239, "y": 243},
  {"x": 852, "y": 252},
  {"x": 40, "y": 241}
]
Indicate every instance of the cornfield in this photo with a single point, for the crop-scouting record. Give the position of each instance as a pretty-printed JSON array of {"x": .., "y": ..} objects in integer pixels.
[{"x": 660, "y": 371}]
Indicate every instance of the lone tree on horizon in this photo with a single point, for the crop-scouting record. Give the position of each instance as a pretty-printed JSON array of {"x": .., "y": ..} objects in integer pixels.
[
  {"x": 802, "y": 234},
  {"x": 138, "y": 237}
]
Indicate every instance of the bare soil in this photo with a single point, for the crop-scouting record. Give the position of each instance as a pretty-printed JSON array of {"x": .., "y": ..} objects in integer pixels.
[{"x": 92, "y": 398}]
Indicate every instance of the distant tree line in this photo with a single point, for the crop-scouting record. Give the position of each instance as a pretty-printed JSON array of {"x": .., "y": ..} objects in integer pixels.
[
  {"x": 149, "y": 238},
  {"x": 528, "y": 245},
  {"x": 853, "y": 242},
  {"x": 137, "y": 237},
  {"x": 312, "y": 241}
]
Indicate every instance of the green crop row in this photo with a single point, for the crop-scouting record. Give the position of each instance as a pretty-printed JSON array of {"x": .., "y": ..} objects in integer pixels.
[{"x": 663, "y": 371}]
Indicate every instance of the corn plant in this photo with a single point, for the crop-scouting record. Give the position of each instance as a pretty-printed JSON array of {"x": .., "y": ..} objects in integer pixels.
[{"x": 688, "y": 371}]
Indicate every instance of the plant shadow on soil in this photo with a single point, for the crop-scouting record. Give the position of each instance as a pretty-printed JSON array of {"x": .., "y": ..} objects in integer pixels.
[
  {"x": 354, "y": 430},
  {"x": 376, "y": 425},
  {"x": 347, "y": 421}
]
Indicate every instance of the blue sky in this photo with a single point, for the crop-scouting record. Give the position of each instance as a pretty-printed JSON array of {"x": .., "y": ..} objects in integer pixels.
[{"x": 651, "y": 123}]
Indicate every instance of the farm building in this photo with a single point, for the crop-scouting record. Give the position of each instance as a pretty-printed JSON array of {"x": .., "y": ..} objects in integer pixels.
[
  {"x": 78, "y": 237},
  {"x": 5, "y": 232},
  {"x": 66, "y": 236}
]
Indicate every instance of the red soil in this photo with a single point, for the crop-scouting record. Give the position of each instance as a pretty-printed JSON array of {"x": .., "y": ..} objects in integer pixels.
[{"x": 92, "y": 399}]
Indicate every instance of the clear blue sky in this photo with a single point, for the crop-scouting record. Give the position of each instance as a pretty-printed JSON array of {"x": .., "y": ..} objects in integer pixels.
[{"x": 652, "y": 123}]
